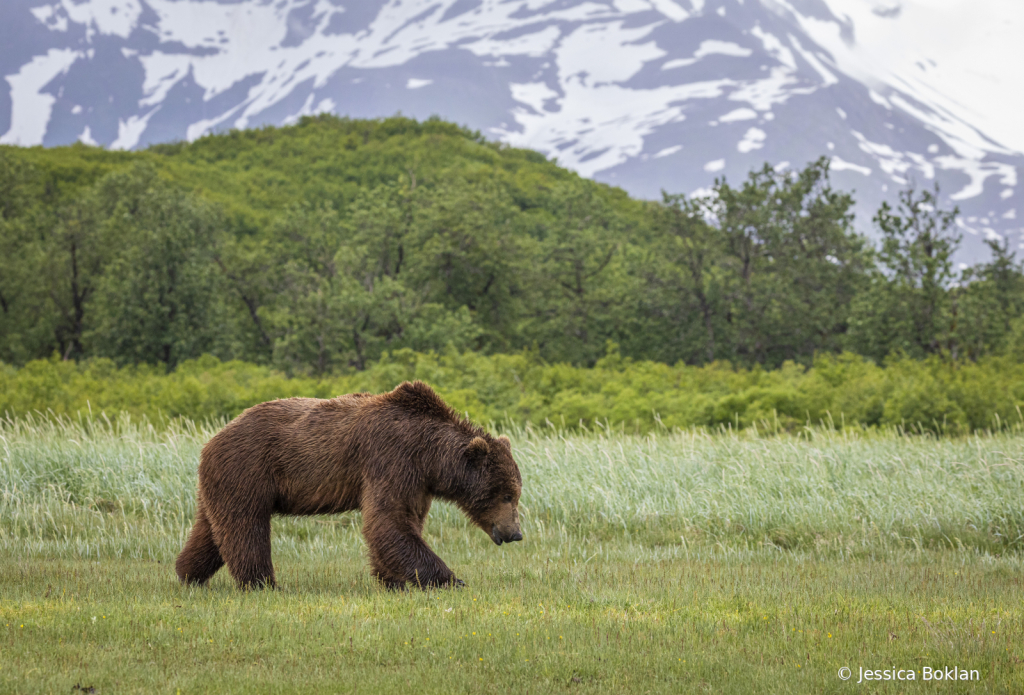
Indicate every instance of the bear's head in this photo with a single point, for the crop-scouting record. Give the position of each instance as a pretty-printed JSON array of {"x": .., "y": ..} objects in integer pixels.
[{"x": 495, "y": 507}]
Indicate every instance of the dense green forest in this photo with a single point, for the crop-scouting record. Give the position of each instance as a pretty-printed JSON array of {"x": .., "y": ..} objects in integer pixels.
[{"x": 318, "y": 248}]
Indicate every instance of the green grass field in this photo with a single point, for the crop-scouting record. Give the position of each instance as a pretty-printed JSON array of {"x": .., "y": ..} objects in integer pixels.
[{"x": 681, "y": 562}]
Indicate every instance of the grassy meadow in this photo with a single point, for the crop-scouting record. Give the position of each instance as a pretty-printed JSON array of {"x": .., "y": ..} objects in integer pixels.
[{"x": 674, "y": 562}]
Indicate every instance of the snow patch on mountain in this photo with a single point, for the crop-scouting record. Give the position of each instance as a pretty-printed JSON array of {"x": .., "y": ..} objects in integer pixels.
[
  {"x": 707, "y": 48},
  {"x": 740, "y": 114},
  {"x": 960, "y": 56},
  {"x": 31, "y": 108},
  {"x": 753, "y": 139}
]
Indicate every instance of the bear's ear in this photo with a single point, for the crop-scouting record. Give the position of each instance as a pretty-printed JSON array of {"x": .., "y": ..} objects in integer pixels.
[
  {"x": 477, "y": 450},
  {"x": 505, "y": 440}
]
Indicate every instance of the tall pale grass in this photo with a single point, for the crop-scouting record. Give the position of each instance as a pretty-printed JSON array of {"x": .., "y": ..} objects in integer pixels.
[{"x": 100, "y": 488}]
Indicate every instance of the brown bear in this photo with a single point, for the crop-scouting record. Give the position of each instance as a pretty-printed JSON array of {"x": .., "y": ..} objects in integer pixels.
[{"x": 387, "y": 455}]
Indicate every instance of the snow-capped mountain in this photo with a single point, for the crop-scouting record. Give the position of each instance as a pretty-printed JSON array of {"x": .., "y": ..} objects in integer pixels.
[{"x": 644, "y": 94}]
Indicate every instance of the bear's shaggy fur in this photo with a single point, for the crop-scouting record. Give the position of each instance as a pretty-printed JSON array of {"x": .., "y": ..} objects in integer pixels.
[{"x": 388, "y": 455}]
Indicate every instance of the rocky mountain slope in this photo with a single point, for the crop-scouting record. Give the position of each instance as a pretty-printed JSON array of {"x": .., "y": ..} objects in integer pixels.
[{"x": 644, "y": 94}]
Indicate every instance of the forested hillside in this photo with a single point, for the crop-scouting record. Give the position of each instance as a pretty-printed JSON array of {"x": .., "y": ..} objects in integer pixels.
[{"x": 315, "y": 248}]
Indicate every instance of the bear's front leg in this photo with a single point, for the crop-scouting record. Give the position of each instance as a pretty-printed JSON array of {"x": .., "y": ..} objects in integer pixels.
[{"x": 398, "y": 553}]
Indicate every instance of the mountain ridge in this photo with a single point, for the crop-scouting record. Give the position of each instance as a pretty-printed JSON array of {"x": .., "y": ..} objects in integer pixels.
[{"x": 647, "y": 95}]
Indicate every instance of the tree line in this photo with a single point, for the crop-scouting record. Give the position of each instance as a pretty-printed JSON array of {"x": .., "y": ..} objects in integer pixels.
[{"x": 318, "y": 248}]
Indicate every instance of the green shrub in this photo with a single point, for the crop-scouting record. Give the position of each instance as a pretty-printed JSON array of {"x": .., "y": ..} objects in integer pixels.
[{"x": 517, "y": 389}]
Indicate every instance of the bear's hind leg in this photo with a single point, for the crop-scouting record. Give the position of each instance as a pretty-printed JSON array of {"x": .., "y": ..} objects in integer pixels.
[
  {"x": 199, "y": 559},
  {"x": 245, "y": 545}
]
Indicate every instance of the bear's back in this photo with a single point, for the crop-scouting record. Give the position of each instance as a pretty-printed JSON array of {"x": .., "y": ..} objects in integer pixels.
[
  {"x": 306, "y": 449},
  {"x": 316, "y": 453}
]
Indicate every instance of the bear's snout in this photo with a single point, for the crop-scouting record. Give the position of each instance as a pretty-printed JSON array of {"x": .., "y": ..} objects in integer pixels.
[{"x": 500, "y": 537}]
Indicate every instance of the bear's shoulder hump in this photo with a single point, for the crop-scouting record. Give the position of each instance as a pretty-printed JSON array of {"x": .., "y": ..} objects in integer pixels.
[{"x": 419, "y": 398}]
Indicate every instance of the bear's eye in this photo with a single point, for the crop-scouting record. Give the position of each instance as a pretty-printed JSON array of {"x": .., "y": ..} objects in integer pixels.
[{"x": 508, "y": 498}]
